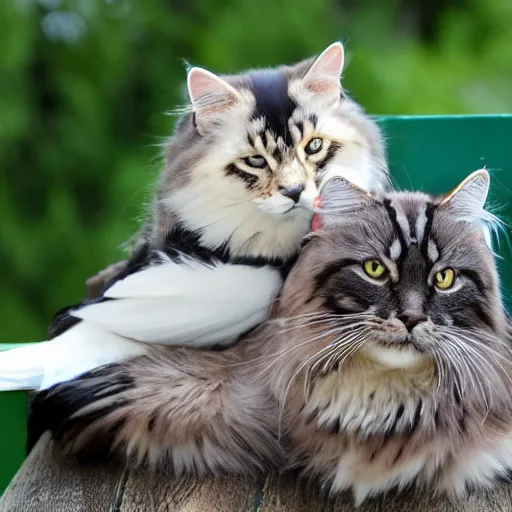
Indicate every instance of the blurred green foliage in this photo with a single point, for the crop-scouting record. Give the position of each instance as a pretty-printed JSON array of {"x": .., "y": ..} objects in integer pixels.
[{"x": 85, "y": 86}]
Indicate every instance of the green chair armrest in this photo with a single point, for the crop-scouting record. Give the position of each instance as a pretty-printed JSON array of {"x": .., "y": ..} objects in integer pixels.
[{"x": 13, "y": 429}]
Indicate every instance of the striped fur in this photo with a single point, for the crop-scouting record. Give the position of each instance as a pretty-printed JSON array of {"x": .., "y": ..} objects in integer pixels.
[
  {"x": 210, "y": 194},
  {"x": 357, "y": 396},
  {"x": 229, "y": 213}
]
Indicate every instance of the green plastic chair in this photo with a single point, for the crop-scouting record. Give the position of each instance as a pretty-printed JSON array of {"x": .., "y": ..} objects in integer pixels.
[{"x": 431, "y": 153}]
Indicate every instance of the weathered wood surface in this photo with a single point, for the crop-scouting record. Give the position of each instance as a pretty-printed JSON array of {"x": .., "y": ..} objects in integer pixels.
[{"x": 49, "y": 483}]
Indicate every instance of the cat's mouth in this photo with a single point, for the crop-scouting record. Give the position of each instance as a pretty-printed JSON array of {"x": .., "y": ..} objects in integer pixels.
[
  {"x": 399, "y": 342},
  {"x": 397, "y": 350},
  {"x": 395, "y": 355}
]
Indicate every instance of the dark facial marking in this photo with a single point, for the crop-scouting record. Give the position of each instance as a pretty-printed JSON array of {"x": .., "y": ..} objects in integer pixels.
[
  {"x": 359, "y": 303},
  {"x": 264, "y": 141},
  {"x": 313, "y": 119},
  {"x": 300, "y": 126},
  {"x": 249, "y": 179},
  {"x": 392, "y": 216},
  {"x": 429, "y": 214},
  {"x": 471, "y": 274},
  {"x": 270, "y": 89},
  {"x": 333, "y": 148},
  {"x": 331, "y": 269}
]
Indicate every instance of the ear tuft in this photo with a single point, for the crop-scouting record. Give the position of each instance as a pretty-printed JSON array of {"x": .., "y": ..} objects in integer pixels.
[
  {"x": 471, "y": 194},
  {"x": 324, "y": 75},
  {"x": 466, "y": 202},
  {"x": 210, "y": 95}
]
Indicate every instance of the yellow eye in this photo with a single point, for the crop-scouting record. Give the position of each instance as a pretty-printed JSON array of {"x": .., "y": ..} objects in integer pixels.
[
  {"x": 374, "y": 268},
  {"x": 445, "y": 279}
]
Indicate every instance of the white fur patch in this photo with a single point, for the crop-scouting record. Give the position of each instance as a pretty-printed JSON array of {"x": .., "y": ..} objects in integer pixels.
[
  {"x": 479, "y": 466},
  {"x": 391, "y": 357},
  {"x": 79, "y": 349},
  {"x": 395, "y": 250},
  {"x": 189, "y": 303}
]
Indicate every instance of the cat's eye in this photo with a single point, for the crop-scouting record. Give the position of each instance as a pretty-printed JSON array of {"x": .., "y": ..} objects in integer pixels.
[
  {"x": 256, "y": 161},
  {"x": 445, "y": 279},
  {"x": 374, "y": 268},
  {"x": 314, "y": 146}
]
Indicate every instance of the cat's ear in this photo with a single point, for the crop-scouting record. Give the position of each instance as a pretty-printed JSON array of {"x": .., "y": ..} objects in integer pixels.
[
  {"x": 324, "y": 75},
  {"x": 467, "y": 203},
  {"x": 339, "y": 198},
  {"x": 210, "y": 96},
  {"x": 468, "y": 198}
]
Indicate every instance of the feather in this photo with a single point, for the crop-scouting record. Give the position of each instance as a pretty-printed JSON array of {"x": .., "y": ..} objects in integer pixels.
[
  {"x": 191, "y": 303},
  {"x": 173, "y": 303},
  {"x": 74, "y": 352}
]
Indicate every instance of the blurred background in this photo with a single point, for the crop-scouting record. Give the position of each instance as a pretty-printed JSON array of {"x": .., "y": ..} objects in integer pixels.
[{"x": 85, "y": 86}]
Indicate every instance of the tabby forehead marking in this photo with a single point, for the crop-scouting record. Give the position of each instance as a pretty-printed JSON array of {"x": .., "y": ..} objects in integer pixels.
[
  {"x": 395, "y": 250},
  {"x": 432, "y": 251},
  {"x": 413, "y": 230},
  {"x": 270, "y": 88},
  {"x": 421, "y": 223}
]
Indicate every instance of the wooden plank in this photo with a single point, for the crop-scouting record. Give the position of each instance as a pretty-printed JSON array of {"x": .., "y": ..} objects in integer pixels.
[
  {"x": 149, "y": 492},
  {"x": 285, "y": 494},
  {"x": 48, "y": 482}
]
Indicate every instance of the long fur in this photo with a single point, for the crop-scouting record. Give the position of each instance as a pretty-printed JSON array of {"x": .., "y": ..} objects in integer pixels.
[
  {"x": 356, "y": 399},
  {"x": 221, "y": 234},
  {"x": 175, "y": 409}
]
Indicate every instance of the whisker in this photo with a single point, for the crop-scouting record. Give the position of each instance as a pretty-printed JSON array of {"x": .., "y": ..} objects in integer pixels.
[
  {"x": 339, "y": 320},
  {"x": 338, "y": 344},
  {"x": 340, "y": 348},
  {"x": 350, "y": 344}
]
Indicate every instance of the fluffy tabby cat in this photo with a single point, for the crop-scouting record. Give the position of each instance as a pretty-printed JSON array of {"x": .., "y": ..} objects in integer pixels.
[
  {"x": 387, "y": 363},
  {"x": 230, "y": 212}
]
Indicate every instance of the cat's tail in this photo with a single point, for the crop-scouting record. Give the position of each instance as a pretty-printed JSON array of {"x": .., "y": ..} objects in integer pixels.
[{"x": 77, "y": 350}]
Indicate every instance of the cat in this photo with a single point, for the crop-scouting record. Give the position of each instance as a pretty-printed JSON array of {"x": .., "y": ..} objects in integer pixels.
[
  {"x": 386, "y": 363},
  {"x": 230, "y": 211}
]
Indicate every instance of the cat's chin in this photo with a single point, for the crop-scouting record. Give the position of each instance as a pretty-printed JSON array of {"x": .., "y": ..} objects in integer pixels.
[
  {"x": 289, "y": 208},
  {"x": 395, "y": 356}
]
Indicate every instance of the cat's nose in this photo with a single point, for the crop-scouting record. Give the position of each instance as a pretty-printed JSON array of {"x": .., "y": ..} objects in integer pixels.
[
  {"x": 292, "y": 192},
  {"x": 411, "y": 319}
]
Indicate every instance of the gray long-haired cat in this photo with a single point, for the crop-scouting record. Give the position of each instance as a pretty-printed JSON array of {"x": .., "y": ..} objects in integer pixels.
[
  {"x": 252, "y": 148},
  {"x": 387, "y": 363},
  {"x": 231, "y": 209}
]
